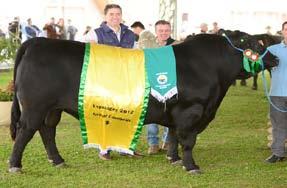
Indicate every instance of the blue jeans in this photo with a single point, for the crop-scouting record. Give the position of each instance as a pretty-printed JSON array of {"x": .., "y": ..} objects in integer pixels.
[
  {"x": 152, "y": 134},
  {"x": 279, "y": 126}
]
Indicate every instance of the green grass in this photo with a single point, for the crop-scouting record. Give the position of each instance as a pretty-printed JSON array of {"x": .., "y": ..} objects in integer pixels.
[
  {"x": 5, "y": 77},
  {"x": 231, "y": 153}
]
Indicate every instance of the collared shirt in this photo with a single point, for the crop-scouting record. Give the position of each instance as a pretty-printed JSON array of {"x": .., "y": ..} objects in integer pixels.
[
  {"x": 279, "y": 73},
  {"x": 106, "y": 35}
]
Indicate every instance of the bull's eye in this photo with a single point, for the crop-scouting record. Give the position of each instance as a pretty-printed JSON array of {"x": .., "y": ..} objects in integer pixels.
[{"x": 241, "y": 40}]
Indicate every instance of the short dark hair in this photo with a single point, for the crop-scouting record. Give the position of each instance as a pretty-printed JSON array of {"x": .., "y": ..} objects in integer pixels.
[
  {"x": 137, "y": 24},
  {"x": 162, "y": 22},
  {"x": 284, "y": 23},
  {"x": 110, "y": 6}
]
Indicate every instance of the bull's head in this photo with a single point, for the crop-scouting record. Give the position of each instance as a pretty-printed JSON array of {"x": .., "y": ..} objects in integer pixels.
[{"x": 254, "y": 53}]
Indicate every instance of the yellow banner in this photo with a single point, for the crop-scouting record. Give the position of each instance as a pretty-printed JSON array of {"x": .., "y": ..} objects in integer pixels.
[{"x": 114, "y": 95}]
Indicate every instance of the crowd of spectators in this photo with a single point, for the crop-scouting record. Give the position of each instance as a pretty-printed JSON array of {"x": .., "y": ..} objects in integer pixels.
[{"x": 25, "y": 29}]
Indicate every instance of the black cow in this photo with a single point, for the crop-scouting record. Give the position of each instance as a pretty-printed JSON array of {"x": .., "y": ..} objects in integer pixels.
[{"x": 47, "y": 76}]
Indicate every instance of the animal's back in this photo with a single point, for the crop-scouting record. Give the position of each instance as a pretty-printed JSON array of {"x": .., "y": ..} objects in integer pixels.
[{"x": 49, "y": 72}]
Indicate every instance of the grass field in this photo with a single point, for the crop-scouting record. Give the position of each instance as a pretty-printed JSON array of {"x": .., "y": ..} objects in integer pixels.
[
  {"x": 5, "y": 77},
  {"x": 231, "y": 153}
]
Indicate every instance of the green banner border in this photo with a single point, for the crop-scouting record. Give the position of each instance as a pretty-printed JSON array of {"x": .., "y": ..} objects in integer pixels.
[
  {"x": 82, "y": 92},
  {"x": 143, "y": 113}
]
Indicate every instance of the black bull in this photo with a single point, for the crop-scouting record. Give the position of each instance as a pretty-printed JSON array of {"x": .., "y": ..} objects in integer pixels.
[{"x": 47, "y": 76}]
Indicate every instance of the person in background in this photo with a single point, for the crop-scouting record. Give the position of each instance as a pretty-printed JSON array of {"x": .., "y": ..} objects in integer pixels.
[
  {"x": 61, "y": 29},
  {"x": 163, "y": 38},
  {"x": 268, "y": 30},
  {"x": 31, "y": 30},
  {"x": 71, "y": 30},
  {"x": 215, "y": 28},
  {"x": 203, "y": 28},
  {"x": 112, "y": 32},
  {"x": 50, "y": 29},
  {"x": 145, "y": 38},
  {"x": 14, "y": 29},
  {"x": 278, "y": 96},
  {"x": 137, "y": 28}
]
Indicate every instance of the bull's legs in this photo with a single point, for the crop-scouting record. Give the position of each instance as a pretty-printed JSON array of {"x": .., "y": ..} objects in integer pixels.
[
  {"x": 188, "y": 141},
  {"x": 27, "y": 126},
  {"x": 48, "y": 134},
  {"x": 186, "y": 121},
  {"x": 243, "y": 82},
  {"x": 22, "y": 139},
  {"x": 254, "y": 86},
  {"x": 172, "y": 151}
]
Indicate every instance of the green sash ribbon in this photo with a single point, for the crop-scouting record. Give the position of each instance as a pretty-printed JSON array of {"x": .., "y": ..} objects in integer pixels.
[{"x": 161, "y": 68}]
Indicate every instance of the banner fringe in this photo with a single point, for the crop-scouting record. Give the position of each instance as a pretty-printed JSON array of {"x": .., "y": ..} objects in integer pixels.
[
  {"x": 110, "y": 148},
  {"x": 167, "y": 95}
]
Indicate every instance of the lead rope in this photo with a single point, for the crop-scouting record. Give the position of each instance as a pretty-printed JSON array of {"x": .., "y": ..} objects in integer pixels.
[{"x": 266, "y": 93}]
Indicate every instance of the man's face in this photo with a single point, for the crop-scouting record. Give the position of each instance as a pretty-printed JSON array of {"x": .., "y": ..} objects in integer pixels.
[
  {"x": 163, "y": 31},
  {"x": 114, "y": 17},
  {"x": 284, "y": 32}
]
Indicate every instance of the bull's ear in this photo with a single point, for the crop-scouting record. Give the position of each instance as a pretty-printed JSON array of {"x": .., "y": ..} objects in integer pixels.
[
  {"x": 220, "y": 31},
  {"x": 261, "y": 42}
]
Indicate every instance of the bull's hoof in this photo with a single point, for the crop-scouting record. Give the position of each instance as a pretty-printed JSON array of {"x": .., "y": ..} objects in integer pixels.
[
  {"x": 195, "y": 172},
  {"x": 254, "y": 87},
  {"x": 172, "y": 161},
  {"x": 177, "y": 162},
  {"x": 15, "y": 170},
  {"x": 168, "y": 158},
  {"x": 61, "y": 165},
  {"x": 57, "y": 161}
]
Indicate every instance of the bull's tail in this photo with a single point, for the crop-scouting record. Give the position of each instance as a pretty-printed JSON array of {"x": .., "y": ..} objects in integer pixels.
[
  {"x": 15, "y": 111},
  {"x": 15, "y": 116}
]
